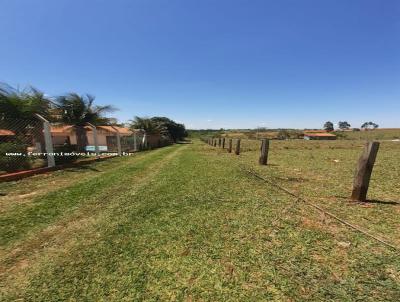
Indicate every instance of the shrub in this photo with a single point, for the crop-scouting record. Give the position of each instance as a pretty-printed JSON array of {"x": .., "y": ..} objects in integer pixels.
[
  {"x": 65, "y": 159},
  {"x": 13, "y": 163}
]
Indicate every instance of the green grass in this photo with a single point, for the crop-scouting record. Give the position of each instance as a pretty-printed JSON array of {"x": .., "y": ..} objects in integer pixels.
[{"x": 184, "y": 223}]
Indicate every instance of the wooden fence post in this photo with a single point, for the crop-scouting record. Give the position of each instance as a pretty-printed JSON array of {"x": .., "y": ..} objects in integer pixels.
[
  {"x": 219, "y": 142},
  {"x": 230, "y": 145},
  {"x": 264, "y": 152},
  {"x": 215, "y": 142},
  {"x": 223, "y": 143},
  {"x": 363, "y": 171},
  {"x": 237, "y": 149}
]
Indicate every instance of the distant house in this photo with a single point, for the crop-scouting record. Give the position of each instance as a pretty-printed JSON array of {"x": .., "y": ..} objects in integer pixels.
[{"x": 319, "y": 136}]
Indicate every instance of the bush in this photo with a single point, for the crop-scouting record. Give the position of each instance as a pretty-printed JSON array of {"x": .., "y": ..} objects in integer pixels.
[
  {"x": 60, "y": 160},
  {"x": 14, "y": 163}
]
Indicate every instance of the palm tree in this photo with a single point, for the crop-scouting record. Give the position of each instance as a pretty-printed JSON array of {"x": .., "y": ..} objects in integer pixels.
[
  {"x": 22, "y": 104},
  {"x": 78, "y": 110},
  {"x": 18, "y": 109},
  {"x": 149, "y": 125}
]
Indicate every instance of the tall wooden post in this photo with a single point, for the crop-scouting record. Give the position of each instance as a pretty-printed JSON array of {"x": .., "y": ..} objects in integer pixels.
[
  {"x": 219, "y": 142},
  {"x": 223, "y": 143},
  {"x": 237, "y": 149},
  {"x": 230, "y": 145},
  {"x": 363, "y": 171},
  {"x": 264, "y": 152}
]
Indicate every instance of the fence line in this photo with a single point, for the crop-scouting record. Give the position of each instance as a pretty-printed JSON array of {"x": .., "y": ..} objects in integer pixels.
[
  {"x": 363, "y": 172},
  {"x": 36, "y": 143}
]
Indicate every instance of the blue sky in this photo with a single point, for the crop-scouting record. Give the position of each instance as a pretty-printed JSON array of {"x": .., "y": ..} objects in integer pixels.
[{"x": 212, "y": 63}]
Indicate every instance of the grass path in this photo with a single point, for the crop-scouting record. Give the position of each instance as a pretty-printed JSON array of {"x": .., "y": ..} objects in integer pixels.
[{"x": 185, "y": 224}]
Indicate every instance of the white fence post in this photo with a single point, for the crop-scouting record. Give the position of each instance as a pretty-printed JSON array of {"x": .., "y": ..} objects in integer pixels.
[
  {"x": 118, "y": 141},
  {"x": 48, "y": 141},
  {"x": 134, "y": 142},
  {"x": 96, "y": 144},
  {"x": 144, "y": 141}
]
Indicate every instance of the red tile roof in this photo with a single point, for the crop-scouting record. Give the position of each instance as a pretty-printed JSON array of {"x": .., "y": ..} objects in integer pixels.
[
  {"x": 67, "y": 129},
  {"x": 5, "y": 132},
  {"x": 319, "y": 134}
]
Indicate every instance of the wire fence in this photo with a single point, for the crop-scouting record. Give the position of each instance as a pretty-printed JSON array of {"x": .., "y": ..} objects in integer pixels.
[
  {"x": 35, "y": 143},
  {"x": 22, "y": 145}
]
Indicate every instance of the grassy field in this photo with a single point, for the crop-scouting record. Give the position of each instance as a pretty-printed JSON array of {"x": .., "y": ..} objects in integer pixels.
[
  {"x": 185, "y": 223},
  {"x": 376, "y": 134}
]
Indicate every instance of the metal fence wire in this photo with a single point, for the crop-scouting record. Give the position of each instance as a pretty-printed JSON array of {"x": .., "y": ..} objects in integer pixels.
[
  {"x": 22, "y": 145},
  {"x": 34, "y": 143}
]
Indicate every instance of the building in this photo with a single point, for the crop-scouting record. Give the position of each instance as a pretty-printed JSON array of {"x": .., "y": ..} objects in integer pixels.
[
  {"x": 106, "y": 136},
  {"x": 6, "y": 135},
  {"x": 319, "y": 136}
]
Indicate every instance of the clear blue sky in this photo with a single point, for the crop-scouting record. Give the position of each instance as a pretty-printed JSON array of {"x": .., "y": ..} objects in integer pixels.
[{"x": 213, "y": 63}]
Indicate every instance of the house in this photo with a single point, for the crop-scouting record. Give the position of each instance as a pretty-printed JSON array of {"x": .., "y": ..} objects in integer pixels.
[
  {"x": 6, "y": 135},
  {"x": 106, "y": 136},
  {"x": 319, "y": 136}
]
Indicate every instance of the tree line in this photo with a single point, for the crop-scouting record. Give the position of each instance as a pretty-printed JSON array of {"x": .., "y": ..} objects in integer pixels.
[
  {"x": 18, "y": 109},
  {"x": 344, "y": 125}
]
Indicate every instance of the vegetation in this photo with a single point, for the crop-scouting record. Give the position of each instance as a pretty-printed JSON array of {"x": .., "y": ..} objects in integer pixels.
[
  {"x": 152, "y": 227},
  {"x": 369, "y": 125},
  {"x": 328, "y": 126},
  {"x": 160, "y": 126},
  {"x": 344, "y": 125},
  {"x": 13, "y": 163},
  {"x": 79, "y": 110},
  {"x": 22, "y": 104}
]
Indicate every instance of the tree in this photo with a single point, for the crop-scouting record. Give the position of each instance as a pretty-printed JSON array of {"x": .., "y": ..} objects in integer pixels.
[
  {"x": 175, "y": 130},
  {"x": 78, "y": 110},
  {"x": 22, "y": 104},
  {"x": 18, "y": 109},
  {"x": 369, "y": 125},
  {"x": 160, "y": 125},
  {"x": 328, "y": 126},
  {"x": 344, "y": 125},
  {"x": 147, "y": 124}
]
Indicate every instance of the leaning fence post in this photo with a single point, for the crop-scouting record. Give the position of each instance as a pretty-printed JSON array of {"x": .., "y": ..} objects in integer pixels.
[
  {"x": 363, "y": 171},
  {"x": 230, "y": 145},
  {"x": 96, "y": 143},
  {"x": 47, "y": 141},
  {"x": 264, "y": 152},
  {"x": 223, "y": 143},
  {"x": 118, "y": 141},
  {"x": 237, "y": 150}
]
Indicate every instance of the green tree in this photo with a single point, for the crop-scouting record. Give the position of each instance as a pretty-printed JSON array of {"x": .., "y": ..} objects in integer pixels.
[
  {"x": 175, "y": 130},
  {"x": 328, "y": 126},
  {"x": 147, "y": 124},
  {"x": 78, "y": 110},
  {"x": 369, "y": 125},
  {"x": 18, "y": 109},
  {"x": 344, "y": 125}
]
